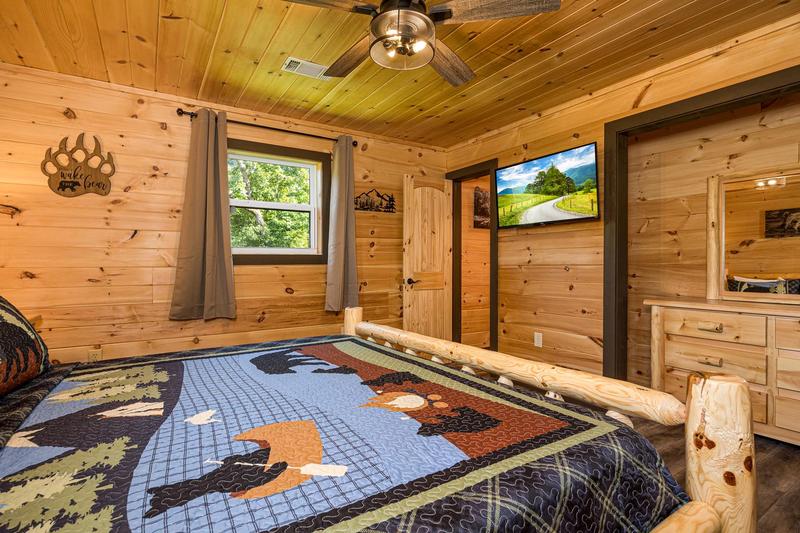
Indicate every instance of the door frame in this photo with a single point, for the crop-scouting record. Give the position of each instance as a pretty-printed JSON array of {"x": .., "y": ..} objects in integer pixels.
[
  {"x": 617, "y": 133},
  {"x": 485, "y": 168}
]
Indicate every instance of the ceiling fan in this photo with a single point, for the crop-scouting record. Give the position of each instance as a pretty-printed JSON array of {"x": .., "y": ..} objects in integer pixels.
[{"x": 402, "y": 33}]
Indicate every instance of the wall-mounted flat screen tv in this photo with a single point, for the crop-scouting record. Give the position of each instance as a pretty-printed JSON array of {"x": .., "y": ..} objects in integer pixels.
[{"x": 560, "y": 187}]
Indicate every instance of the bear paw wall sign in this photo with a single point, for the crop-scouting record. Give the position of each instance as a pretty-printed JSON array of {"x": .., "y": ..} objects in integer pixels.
[{"x": 77, "y": 171}]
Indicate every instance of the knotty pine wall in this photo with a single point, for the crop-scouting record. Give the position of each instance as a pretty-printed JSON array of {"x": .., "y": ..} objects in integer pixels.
[
  {"x": 475, "y": 267},
  {"x": 550, "y": 278},
  {"x": 98, "y": 271},
  {"x": 667, "y": 198}
]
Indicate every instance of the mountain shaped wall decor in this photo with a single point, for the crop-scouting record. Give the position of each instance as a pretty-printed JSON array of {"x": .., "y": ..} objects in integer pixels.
[{"x": 373, "y": 200}]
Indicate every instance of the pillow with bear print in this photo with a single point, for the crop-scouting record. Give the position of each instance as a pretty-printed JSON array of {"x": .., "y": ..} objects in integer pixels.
[{"x": 23, "y": 353}]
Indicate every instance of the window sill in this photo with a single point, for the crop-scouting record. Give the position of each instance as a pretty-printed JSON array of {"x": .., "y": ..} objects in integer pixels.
[{"x": 275, "y": 259}]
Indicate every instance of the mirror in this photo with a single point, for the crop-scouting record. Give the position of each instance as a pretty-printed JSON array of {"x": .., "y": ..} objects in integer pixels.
[{"x": 759, "y": 250}]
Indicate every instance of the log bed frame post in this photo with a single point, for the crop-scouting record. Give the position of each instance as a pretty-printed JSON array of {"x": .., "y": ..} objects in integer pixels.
[
  {"x": 352, "y": 316},
  {"x": 720, "y": 464}
]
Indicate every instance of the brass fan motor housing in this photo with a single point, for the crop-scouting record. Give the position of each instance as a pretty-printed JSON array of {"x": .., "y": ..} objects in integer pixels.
[{"x": 403, "y": 36}]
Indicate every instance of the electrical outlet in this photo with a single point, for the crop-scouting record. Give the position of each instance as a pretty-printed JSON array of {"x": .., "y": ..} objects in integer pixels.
[
  {"x": 537, "y": 339},
  {"x": 95, "y": 354}
]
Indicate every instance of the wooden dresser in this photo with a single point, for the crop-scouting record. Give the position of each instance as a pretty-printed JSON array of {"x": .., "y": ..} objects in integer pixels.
[{"x": 759, "y": 342}]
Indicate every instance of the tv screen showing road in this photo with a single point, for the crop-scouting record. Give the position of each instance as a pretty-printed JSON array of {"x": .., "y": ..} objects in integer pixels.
[{"x": 556, "y": 188}]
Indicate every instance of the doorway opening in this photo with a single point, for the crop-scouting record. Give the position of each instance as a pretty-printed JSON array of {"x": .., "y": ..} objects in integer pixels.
[{"x": 475, "y": 256}]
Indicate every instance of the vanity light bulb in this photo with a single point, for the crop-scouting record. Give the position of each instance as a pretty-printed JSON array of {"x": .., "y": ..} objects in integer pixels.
[
  {"x": 772, "y": 182},
  {"x": 760, "y": 184}
]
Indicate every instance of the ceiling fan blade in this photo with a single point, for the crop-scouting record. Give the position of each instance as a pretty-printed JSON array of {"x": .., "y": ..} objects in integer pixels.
[
  {"x": 451, "y": 67},
  {"x": 350, "y": 59},
  {"x": 346, "y": 5},
  {"x": 459, "y": 11}
]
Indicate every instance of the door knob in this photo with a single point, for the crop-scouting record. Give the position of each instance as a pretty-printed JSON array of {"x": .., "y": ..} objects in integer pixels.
[{"x": 412, "y": 281}]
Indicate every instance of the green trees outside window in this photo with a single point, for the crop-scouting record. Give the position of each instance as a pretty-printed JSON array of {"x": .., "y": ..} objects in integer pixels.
[{"x": 273, "y": 203}]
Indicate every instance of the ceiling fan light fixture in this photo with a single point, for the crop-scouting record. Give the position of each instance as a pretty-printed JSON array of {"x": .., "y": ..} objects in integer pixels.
[
  {"x": 419, "y": 46},
  {"x": 402, "y": 39}
]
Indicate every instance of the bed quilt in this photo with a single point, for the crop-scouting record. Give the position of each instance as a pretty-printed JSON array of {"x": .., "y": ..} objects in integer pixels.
[{"x": 331, "y": 434}]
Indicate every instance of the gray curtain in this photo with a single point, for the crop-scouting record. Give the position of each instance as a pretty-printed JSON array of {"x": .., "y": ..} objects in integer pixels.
[
  {"x": 204, "y": 274},
  {"x": 342, "y": 287}
]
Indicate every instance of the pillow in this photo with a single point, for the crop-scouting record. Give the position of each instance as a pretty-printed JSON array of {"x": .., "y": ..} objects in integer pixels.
[
  {"x": 793, "y": 286},
  {"x": 23, "y": 354},
  {"x": 773, "y": 286}
]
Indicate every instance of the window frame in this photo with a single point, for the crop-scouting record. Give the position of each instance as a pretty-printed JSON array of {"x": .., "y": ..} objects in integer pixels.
[
  {"x": 270, "y": 153},
  {"x": 313, "y": 208}
]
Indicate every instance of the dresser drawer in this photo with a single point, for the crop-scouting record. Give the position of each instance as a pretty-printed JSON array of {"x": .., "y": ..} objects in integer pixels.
[
  {"x": 731, "y": 327},
  {"x": 699, "y": 355},
  {"x": 789, "y": 370},
  {"x": 675, "y": 381},
  {"x": 787, "y": 407},
  {"x": 787, "y": 335}
]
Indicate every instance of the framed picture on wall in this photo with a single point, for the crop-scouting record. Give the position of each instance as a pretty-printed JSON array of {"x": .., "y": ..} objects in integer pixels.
[
  {"x": 481, "y": 213},
  {"x": 782, "y": 223}
]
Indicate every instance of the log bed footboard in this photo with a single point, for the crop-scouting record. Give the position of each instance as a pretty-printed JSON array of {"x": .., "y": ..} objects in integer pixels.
[{"x": 720, "y": 459}]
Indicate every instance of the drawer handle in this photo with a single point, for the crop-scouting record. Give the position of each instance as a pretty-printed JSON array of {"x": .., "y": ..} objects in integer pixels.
[
  {"x": 711, "y": 327},
  {"x": 710, "y": 361}
]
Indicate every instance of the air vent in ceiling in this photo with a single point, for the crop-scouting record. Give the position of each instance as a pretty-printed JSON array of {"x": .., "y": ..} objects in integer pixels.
[{"x": 305, "y": 68}]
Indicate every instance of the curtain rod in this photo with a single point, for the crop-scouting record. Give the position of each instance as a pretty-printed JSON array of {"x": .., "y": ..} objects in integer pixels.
[{"x": 180, "y": 111}]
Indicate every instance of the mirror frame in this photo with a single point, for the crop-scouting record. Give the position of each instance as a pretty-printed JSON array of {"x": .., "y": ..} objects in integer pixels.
[{"x": 716, "y": 282}]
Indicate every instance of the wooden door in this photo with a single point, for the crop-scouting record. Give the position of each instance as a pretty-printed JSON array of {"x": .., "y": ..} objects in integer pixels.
[{"x": 427, "y": 256}]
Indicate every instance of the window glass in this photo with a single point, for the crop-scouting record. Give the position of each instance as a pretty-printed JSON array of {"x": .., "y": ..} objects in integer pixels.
[
  {"x": 267, "y": 182},
  {"x": 275, "y": 204},
  {"x": 269, "y": 228}
]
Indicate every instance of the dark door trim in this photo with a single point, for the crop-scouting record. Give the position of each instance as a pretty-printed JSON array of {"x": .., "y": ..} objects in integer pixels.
[
  {"x": 615, "y": 287},
  {"x": 486, "y": 168}
]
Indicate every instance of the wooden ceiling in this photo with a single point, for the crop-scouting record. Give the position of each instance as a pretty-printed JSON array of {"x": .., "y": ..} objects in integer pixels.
[{"x": 231, "y": 52}]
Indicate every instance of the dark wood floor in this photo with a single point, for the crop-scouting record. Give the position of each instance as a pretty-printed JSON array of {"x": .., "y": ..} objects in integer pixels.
[{"x": 777, "y": 468}]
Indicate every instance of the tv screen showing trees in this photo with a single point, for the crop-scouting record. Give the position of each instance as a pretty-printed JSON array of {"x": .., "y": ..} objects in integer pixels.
[{"x": 556, "y": 188}]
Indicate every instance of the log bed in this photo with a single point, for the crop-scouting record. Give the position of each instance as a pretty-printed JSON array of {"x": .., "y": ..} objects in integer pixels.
[{"x": 720, "y": 465}]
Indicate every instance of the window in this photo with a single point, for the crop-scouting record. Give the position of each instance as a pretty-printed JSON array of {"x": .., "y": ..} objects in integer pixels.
[{"x": 278, "y": 203}]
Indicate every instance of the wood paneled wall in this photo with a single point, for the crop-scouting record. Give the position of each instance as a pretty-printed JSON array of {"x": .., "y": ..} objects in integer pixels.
[
  {"x": 98, "y": 271},
  {"x": 667, "y": 195},
  {"x": 475, "y": 268},
  {"x": 551, "y": 277}
]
